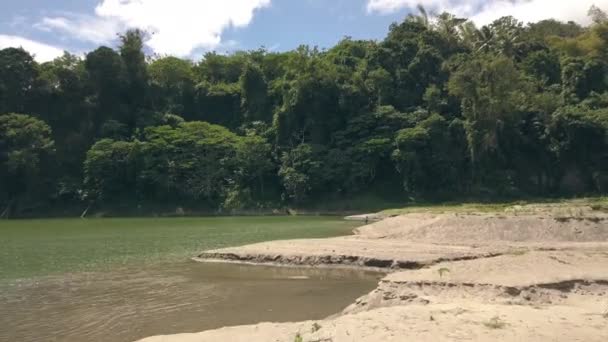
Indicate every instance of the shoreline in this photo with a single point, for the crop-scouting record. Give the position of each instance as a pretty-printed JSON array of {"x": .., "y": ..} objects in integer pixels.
[
  {"x": 509, "y": 277},
  {"x": 379, "y": 270},
  {"x": 331, "y": 261}
]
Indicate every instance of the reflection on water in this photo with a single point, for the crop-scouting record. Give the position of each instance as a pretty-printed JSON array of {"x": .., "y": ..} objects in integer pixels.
[{"x": 129, "y": 304}]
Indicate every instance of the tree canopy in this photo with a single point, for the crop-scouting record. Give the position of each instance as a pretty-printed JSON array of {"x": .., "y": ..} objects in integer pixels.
[{"x": 440, "y": 109}]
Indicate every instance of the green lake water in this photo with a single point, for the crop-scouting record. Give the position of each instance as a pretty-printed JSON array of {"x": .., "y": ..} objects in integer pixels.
[{"x": 124, "y": 279}]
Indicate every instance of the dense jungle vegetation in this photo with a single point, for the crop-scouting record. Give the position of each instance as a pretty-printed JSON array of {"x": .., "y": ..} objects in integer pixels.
[{"x": 438, "y": 110}]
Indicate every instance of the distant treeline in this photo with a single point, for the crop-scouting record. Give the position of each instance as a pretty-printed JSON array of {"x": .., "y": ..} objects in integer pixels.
[{"x": 439, "y": 109}]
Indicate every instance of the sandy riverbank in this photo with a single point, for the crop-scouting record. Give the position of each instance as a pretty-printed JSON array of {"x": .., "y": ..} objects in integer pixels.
[{"x": 532, "y": 275}]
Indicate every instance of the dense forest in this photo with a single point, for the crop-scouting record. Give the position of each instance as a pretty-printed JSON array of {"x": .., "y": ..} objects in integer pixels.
[{"x": 438, "y": 110}]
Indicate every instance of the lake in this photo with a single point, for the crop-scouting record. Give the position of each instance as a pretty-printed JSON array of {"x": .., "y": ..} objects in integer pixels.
[{"x": 124, "y": 279}]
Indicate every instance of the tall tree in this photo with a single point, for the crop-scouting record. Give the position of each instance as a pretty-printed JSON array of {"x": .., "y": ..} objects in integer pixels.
[
  {"x": 18, "y": 71},
  {"x": 134, "y": 59},
  {"x": 172, "y": 86},
  {"x": 107, "y": 76},
  {"x": 24, "y": 144},
  {"x": 491, "y": 90}
]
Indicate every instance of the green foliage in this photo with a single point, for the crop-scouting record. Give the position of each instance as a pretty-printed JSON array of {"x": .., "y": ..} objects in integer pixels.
[
  {"x": 25, "y": 143},
  {"x": 491, "y": 90},
  {"x": 109, "y": 169},
  {"x": 543, "y": 66},
  {"x": 425, "y": 156},
  {"x": 114, "y": 130},
  {"x": 172, "y": 84},
  {"x": 545, "y": 29},
  {"x": 254, "y": 90},
  {"x": 192, "y": 161},
  {"x": 300, "y": 171},
  {"x": 24, "y": 140},
  {"x": 439, "y": 109},
  {"x": 172, "y": 120},
  {"x": 580, "y": 141},
  {"x": 18, "y": 72}
]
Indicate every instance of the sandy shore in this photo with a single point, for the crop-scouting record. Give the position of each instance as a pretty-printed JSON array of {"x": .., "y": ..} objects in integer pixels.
[{"x": 536, "y": 276}]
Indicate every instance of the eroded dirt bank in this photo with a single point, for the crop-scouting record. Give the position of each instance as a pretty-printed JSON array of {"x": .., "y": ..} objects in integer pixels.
[{"x": 541, "y": 275}]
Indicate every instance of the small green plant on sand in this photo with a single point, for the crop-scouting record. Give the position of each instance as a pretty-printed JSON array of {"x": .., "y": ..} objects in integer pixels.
[
  {"x": 443, "y": 271},
  {"x": 519, "y": 252},
  {"x": 315, "y": 327},
  {"x": 298, "y": 338},
  {"x": 495, "y": 323}
]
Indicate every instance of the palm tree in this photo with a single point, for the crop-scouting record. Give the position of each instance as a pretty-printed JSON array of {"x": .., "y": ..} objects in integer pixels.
[
  {"x": 468, "y": 33},
  {"x": 507, "y": 33},
  {"x": 448, "y": 24},
  {"x": 422, "y": 18},
  {"x": 484, "y": 39}
]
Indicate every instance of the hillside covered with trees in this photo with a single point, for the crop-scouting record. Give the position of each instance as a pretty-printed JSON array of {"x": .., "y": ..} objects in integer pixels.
[{"x": 438, "y": 110}]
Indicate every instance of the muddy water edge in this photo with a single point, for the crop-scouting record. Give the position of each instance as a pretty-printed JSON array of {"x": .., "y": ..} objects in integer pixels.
[{"x": 112, "y": 301}]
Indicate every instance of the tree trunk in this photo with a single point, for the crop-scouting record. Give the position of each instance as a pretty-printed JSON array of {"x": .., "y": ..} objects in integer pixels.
[
  {"x": 84, "y": 213},
  {"x": 261, "y": 186},
  {"x": 7, "y": 211}
]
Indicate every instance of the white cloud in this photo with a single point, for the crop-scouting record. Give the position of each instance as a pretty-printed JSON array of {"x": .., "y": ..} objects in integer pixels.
[
  {"x": 178, "y": 27},
  {"x": 389, "y": 6},
  {"x": 83, "y": 27},
  {"x": 485, "y": 11},
  {"x": 42, "y": 52}
]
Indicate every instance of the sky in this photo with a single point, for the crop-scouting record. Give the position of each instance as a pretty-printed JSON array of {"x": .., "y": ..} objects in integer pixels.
[{"x": 189, "y": 28}]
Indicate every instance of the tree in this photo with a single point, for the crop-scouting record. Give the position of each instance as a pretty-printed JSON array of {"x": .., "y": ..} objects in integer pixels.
[
  {"x": 597, "y": 15},
  {"x": 581, "y": 77},
  {"x": 62, "y": 99},
  {"x": 172, "y": 85},
  {"x": 254, "y": 163},
  {"x": 219, "y": 103},
  {"x": 131, "y": 52},
  {"x": 450, "y": 28},
  {"x": 110, "y": 171},
  {"x": 508, "y": 33},
  {"x": 544, "y": 30},
  {"x": 107, "y": 76},
  {"x": 195, "y": 161},
  {"x": 423, "y": 18},
  {"x": 18, "y": 73},
  {"x": 544, "y": 66},
  {"x": 254, "y": 90},
  {"x": 25, "y": 142},
  {"x": 579, "y": 138},
  {"x": 300, "y": 172},
  {"x": 217, "y": 68},
  {"x": 310, "y": 108},
  {"x": 491, "y": 90},
  {"x": 428, "y": 158},
  {"x": 438, "y": 109}
]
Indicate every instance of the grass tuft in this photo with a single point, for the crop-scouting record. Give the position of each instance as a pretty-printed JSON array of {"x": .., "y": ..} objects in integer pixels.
[
  {"x": 443, "y": 271},
  {"x": 495, "y": 323}
]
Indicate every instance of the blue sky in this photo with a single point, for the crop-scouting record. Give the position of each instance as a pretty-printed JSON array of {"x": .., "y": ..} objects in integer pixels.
[{"x": 188, "y": 28}]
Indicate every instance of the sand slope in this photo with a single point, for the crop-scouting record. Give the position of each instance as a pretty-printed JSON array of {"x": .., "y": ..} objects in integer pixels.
[
  {"x": 491, "y": 228},
  {"x": 432, "y": 323}
]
